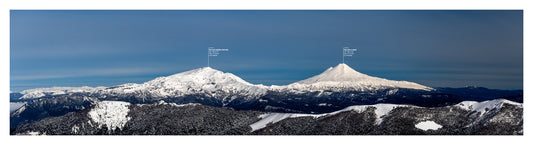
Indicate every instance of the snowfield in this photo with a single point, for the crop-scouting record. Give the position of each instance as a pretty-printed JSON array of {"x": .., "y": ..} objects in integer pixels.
[
  {"x": 111, "y": 113},
  {"x": 428, "y": 125}
]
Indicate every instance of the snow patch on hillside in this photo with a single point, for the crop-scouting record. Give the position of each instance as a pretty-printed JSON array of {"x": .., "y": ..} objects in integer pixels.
[
  {"x": 276, "y": 117},
  {"x": 428, "y": 125},
  {"x": 111, "y": 113},
  {"x": 381, "y": 110},
  {"x": 392, "y": 92},
  {"x": 75, "y": 129}
]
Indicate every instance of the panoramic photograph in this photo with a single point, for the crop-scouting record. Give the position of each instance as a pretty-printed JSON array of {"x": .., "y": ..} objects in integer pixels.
[{"x": 266, "y": 72}]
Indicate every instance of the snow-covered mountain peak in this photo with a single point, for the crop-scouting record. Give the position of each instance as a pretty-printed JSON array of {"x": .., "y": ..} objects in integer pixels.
[
  {"x": 205, "y": 75},
  {"x": 339, "y": 73},
  {"x": 204, "y": 80},
  {"x": 343, "y": 76}
]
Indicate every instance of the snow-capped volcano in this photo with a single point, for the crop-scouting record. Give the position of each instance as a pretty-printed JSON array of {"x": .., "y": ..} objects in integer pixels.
[
  {"x": 343, "y": 76},
  {"x": 198, "y": 81}
]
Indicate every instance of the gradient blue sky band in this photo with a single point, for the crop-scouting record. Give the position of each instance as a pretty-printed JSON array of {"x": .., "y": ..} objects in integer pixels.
[{"x": 105, "y": 48}]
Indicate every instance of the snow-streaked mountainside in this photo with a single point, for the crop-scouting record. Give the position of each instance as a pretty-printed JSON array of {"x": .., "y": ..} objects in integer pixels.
[
  {"x": 483, "y": 107},
  {"x": 198, "y": 81},
  {"x": 343, "y": 76},
  {"x": 382, "y": 110},
  {"x": 41, "y": 92}
]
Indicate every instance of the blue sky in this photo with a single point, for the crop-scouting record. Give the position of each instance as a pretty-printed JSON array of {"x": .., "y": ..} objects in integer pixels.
[{"x": 106, "y": 48}]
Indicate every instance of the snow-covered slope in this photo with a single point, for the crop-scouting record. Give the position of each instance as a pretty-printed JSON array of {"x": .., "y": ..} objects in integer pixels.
[
  {"x": 41, "y": 92},
  {"x": 343, "y": 76},
  {"x": 205, "y": 80},
  {"x": 382, "y": 110},
  {"x": 111, "y": 113},
  {"x": 13, "y": 106},
  {"x": 485, "y": 106}
]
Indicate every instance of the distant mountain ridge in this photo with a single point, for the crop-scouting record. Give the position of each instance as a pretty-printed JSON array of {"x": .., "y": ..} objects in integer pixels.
[
  {"x": 42, "y": 92},
  {"x": 210, "y": 81}
]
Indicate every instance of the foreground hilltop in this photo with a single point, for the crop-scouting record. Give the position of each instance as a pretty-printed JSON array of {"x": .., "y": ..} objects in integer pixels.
[{"x": 161, "y": 118}]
